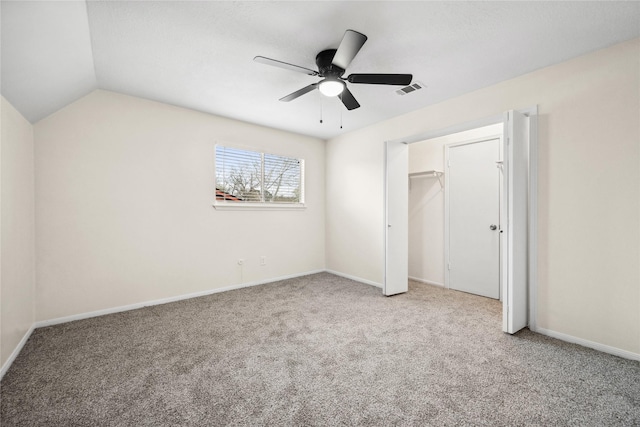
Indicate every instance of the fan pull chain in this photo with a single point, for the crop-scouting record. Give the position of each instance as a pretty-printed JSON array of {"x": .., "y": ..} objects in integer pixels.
[
  {"x": 320, "y": 106},
  {"x": 340, "y": 116}
]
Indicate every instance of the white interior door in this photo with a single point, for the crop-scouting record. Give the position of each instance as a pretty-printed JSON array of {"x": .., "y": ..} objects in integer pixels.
[
  {"x": 474, "y": 217},
  {"x": 396, "y": 219},
  {"x": 516, "y": 172}
]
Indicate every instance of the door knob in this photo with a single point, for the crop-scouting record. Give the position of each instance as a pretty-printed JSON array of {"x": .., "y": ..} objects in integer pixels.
[{"x": 493, "y": 227}]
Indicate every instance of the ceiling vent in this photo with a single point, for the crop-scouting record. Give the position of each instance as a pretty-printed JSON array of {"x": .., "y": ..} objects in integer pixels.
[{"x": 411, "y": 88}]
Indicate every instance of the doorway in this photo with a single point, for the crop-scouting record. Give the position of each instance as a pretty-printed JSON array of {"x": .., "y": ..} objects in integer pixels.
[{"x": 518, "y": 259}]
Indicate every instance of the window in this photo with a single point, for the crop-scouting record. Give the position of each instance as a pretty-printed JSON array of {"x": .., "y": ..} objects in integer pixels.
[{"x": 245, "y": 177}]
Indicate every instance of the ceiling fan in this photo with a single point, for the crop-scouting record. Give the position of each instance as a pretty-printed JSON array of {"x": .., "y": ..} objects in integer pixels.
[{"x": 332, "y": 64}]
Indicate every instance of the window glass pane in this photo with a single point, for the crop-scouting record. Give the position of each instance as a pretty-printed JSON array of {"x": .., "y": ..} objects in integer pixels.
[
  {"x": 238, "y": 175},
  {"x": 281, "y": 179}
]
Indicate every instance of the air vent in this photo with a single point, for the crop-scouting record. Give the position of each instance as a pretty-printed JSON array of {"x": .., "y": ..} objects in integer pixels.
[{"x": 411, "y": 88}]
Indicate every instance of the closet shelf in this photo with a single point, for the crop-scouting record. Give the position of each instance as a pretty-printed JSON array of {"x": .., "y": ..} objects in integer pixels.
[{"x": 429, "y": 174}]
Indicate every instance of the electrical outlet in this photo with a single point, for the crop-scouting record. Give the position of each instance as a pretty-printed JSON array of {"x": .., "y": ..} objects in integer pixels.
[
  {"x": 263, "y": 260},
  {"x": 240, "y": 261}
]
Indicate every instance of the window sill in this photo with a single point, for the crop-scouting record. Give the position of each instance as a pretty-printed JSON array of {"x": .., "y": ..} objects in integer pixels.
[{"x": 258, "y": 206}]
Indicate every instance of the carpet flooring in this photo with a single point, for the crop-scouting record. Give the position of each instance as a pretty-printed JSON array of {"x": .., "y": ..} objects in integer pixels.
[{"x": 317, "y": 350}]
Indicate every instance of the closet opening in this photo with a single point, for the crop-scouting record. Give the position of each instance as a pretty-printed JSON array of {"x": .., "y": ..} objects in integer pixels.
[
  {"x": 454, "y": 218},
  {"x": 460, "y": 212}
]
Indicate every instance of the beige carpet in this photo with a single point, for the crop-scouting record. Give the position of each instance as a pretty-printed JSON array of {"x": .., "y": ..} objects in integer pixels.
[{"x": 317, "y": 350}]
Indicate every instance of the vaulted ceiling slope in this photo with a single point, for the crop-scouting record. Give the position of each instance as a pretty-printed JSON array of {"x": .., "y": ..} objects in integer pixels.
[{"x": 199, "y": 55}]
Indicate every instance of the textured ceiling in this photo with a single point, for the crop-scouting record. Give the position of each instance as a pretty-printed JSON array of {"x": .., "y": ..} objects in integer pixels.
[{"x": 199, "y": 55}]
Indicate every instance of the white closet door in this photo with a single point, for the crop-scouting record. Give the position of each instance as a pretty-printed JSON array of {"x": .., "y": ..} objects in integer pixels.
[
  {"x": 396, "y": 279},
  {"x": 516, "y": 172}
]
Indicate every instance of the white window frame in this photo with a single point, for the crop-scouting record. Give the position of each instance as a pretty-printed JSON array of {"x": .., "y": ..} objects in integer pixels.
[{"x": 230, "y": 205}]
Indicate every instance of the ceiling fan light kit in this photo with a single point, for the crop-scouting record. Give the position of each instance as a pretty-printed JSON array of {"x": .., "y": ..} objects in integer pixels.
[
  {"x": 331, "y": 87},
  {"x": 332, "y": 64}
]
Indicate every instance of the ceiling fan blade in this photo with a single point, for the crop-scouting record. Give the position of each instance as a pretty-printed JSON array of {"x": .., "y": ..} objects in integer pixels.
[
  {"x": 350, "y": 45},
  {"x": 348, "y": 100},
  {"x": 300, "y": 92},
  {"x": 285, "y": 65},
  {"x": 381, "y": 79}
]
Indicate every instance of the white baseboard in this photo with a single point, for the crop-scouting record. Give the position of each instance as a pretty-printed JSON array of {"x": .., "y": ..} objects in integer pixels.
[
  {"x": 87, "y": 315},
  {"x": 357, "y": 279},
  {"x": 16, "y": 351},
  {"x": 590, "y": 344},
  {"x": 428, "y": 282}
]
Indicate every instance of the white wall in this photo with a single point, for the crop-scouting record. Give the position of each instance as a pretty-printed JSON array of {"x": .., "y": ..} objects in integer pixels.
[
  {"x": 426, "y": 204},
  {"x": 17, "y": 268},
  {"x": 124, "y": 192},
  {"x": 589, "y": 189}
]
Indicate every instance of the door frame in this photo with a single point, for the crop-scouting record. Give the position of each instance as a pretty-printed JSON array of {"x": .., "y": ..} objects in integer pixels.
[
  {"x": 447, "y": 187},
  {"x": 532, "y": 114}
]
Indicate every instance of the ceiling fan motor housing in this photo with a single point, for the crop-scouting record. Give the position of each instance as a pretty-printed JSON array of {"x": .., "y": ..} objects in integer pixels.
[{"x": 325, "y": 67}]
